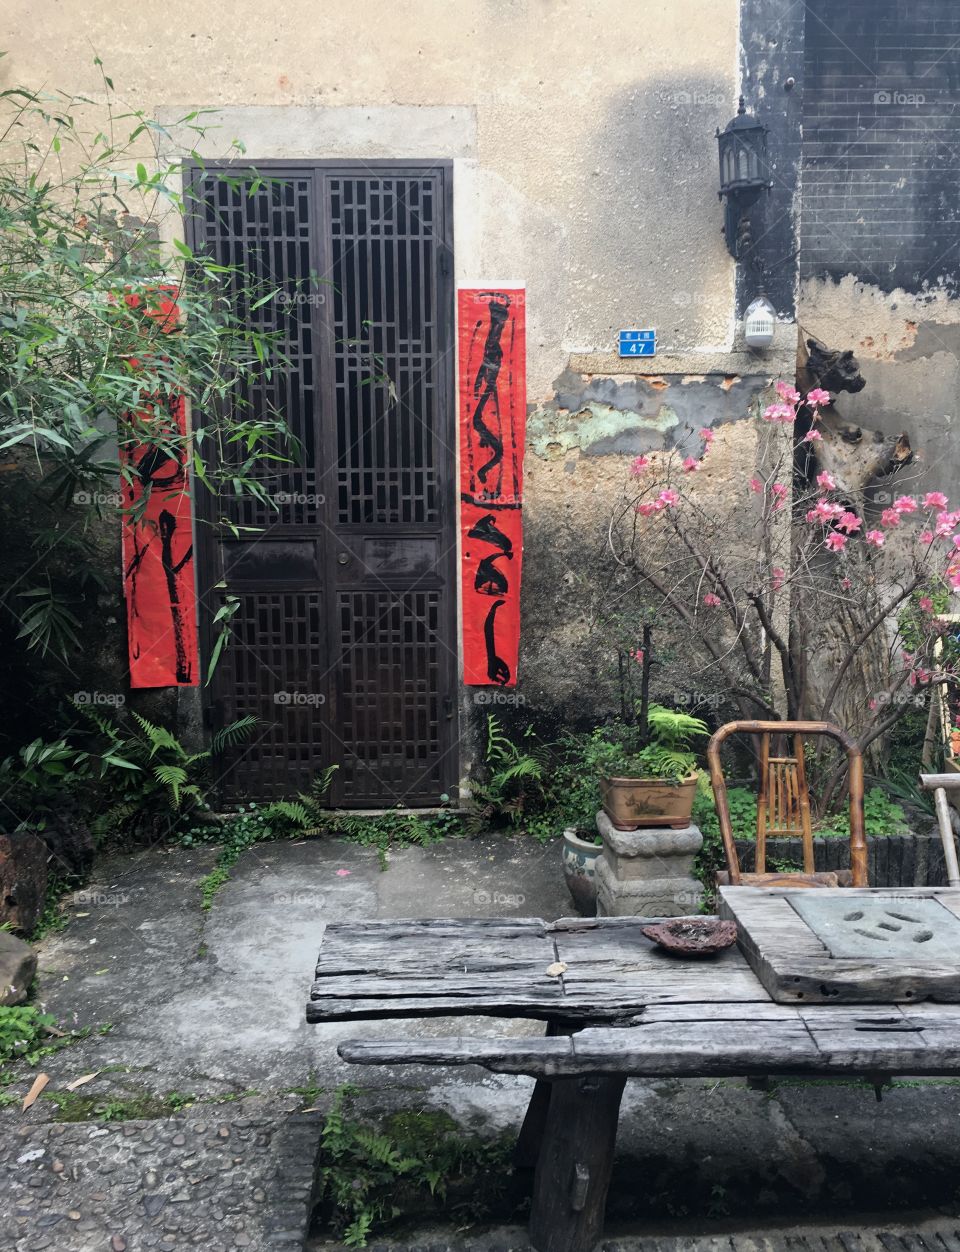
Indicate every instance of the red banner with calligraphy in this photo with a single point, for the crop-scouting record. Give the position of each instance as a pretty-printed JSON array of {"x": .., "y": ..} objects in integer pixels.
[
  {"x": 492, "y": 420},
  {"x": 158, "y": 542}
]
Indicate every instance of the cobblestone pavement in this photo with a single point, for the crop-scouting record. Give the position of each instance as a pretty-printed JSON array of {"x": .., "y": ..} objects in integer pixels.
[
  {"x": 212, "y": 1179},
  {"x": 927, "y": 1236}
]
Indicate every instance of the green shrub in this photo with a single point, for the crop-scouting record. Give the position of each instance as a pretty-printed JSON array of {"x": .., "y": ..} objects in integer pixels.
[
  {"x": 23, "y": 1033},
  {"x": 411, "y": 1163}
]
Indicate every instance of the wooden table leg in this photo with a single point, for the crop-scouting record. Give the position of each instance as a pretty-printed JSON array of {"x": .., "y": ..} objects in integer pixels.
[
  {"x": 527, "y": 1151},
  {"x": 576, "y": 1159}
]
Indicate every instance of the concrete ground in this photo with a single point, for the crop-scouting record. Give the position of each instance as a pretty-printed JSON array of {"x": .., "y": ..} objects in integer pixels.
[{"x": 190, "y": 1011}]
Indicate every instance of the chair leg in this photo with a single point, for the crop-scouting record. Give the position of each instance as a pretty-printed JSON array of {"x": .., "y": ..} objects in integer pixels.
[{"x": 575, "y": 1163}]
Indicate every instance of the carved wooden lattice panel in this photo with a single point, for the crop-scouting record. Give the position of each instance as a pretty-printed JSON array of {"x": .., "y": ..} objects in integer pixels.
[
  {"x": 383, "y": 253},
  {"x": 394, "y": 548},
  {"x": 390, "y": 708},
  {"x": 362, "y": 672},
  {"x": 270, "y": 670},
  {"x": 266, "y": 228}
]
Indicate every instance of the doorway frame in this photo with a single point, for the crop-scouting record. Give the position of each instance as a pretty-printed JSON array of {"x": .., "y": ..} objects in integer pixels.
[{"x": 208, "y": 563}]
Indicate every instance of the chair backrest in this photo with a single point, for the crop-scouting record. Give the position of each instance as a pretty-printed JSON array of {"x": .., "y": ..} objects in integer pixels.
[{"x": 783, "y": 805}]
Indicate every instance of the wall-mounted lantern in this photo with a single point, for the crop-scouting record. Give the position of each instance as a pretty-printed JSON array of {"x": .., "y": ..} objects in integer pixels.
[{"x": 743, "y": 174}]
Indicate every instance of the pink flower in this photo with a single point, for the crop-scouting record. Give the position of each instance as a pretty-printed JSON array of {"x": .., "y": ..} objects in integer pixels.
[
  {"x": 637, "y": 655},
  {"x": 786, "y": 392},
  {"x": 849, "y": 522},
  {"x": 343, "y": 873},
  {"x": 777, "y": 577},
  {"x": 826, "y": 481},
  {"x": 875, "y": 537},
  {"x": 817, "y": 396},
  {"x": 846, "y": 584},
  {"x": 946, "y": 523},
  {"x": 668, "y": 498},
  {"x": 890, "y": 517},
  {"x": 926, "y": 604},
  {"x": 935, "y": 500},
  {"x": 779, "y": 412},
  {"x": 756, "y": 485},
  {"x": 638, "y": 465},
  {"x": 779, "y": 493},
  {"x": 712, "y": 599},
  {"x": 707, "y": 435},
  {"x": 690, "y": 464},
  {"x": 905, "y": 504},
  {"x": 647, "y": 509},
  {"x": 812, "y": 436},
  {"x": 925, "y": 536},
  {"x": 825, "y": 511},
  {"x": 872, "y": 703},
  {"x": 835, "y": 542}
]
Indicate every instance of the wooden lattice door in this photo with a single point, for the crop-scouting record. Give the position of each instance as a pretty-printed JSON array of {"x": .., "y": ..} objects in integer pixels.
[{"x": 344, "y": 639}]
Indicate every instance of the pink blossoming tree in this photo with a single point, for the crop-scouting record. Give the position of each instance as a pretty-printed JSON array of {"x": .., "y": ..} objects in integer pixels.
[{"x": 796, "y": 601}]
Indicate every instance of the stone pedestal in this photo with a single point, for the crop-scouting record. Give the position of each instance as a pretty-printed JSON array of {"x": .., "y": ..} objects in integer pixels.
[{"x": 648, "y": 872}]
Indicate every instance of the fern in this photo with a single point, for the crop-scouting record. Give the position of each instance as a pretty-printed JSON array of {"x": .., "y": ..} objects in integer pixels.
[
  {"x": 236, "y": 732},
  {"x": 172, "y": 776},
  {"x": 159, "y": 737},
  {"x": 291, "y": 810}
]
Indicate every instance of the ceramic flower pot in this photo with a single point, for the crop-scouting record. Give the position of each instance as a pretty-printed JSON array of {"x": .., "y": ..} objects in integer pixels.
[
  {"x": 579, "y": 869},
  {"x": 634, "y": 802}
]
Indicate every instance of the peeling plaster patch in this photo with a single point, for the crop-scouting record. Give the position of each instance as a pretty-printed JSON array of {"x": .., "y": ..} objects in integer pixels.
[
  {"x": 596, "y": 428},
  {"x": 600, "y": 415},
  {"x": 931, "y": 338},
  {"x": 875, "y": 323}
]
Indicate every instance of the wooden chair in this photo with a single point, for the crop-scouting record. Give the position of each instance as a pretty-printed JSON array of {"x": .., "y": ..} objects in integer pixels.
[{"x": 783, "y": 805}]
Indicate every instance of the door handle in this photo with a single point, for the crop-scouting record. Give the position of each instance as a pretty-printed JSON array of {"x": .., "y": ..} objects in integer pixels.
[{"x": 343, "y": 558}]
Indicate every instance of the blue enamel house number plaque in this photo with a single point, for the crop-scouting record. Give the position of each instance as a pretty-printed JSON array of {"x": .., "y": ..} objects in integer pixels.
[{"x": 637, "y": 342}]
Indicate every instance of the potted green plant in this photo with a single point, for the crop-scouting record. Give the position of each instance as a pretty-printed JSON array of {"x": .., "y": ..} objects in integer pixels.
[{"x": 648, "y": 774}]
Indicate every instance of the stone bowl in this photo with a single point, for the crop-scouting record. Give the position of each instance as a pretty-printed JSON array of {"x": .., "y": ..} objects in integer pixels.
[{"x": 693, "y": 936}]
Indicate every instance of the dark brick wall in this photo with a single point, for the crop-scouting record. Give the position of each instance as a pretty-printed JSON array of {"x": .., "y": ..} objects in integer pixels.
[{"x": 881, "y": 142}]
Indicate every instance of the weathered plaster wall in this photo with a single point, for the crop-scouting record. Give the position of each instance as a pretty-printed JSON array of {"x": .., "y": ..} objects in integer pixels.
[{"x": 583, "y": 135}]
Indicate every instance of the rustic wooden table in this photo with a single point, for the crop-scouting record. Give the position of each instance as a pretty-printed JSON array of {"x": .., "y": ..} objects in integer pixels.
[{"x": 615, "y": 1007}]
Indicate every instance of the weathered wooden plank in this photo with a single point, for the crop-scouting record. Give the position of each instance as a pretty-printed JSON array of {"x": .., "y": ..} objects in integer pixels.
[
  {"x": 795, "y": 967},
  {"x": 411, "y": 969},
  {"x": 814, "y": 1040}
]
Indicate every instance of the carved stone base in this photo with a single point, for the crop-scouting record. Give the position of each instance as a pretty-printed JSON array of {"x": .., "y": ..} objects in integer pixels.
[{"x": 647, "y": 873}]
